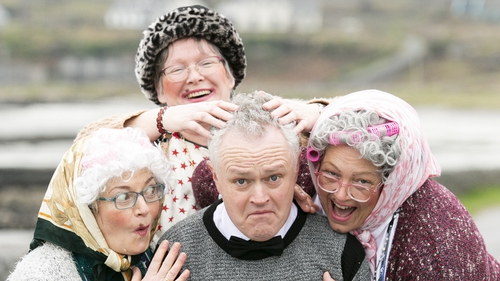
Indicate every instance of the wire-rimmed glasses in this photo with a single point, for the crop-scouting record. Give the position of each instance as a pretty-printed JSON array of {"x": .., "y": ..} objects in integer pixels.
[
  {"x": 357, "y": 192},
  {"x": 178, "y": 73},
  {"x": 126, "y": 200}
]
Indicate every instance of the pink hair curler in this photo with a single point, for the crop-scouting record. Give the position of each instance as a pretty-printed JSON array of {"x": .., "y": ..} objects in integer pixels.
[
  {"x": 312, "y": 154},
  {"x": 386, "y": 129}
]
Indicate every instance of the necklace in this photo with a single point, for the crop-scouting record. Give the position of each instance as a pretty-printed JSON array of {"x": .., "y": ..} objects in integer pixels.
[{"x": 381, "y": 266}]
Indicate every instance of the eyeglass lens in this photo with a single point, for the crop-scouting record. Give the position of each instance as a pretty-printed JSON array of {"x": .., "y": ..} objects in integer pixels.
[
  {"x": 177, "y": 73},
  {"x": 150, "y": 194},
  {"x": 355, "y": 191}
]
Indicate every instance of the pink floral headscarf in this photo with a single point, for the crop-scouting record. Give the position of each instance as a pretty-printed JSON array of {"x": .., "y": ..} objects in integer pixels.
[{"x": 415, "y": 165}]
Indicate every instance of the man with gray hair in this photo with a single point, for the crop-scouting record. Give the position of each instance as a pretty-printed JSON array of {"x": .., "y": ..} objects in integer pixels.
[{"x": 256, "y": 231}]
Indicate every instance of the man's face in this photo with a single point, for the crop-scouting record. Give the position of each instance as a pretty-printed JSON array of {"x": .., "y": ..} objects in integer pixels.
[{"x": 256, "y": 177}]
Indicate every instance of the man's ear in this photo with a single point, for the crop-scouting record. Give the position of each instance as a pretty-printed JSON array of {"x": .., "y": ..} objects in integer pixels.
[
  {"x": 297, "y": 167},
  {"x": 214, "y": 174}
]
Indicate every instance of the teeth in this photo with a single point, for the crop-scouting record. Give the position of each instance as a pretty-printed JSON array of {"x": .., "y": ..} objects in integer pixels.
[
  {"x": 198, "y": 94},
  {"x": 341, "y": 207}
]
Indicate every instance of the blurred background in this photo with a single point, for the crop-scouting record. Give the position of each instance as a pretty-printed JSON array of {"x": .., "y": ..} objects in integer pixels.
[{"x": 64, "y": 63}]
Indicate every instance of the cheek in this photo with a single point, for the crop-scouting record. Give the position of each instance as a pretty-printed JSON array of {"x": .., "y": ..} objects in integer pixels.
[
  {"x": 110, "y": 220},
  {"x": 224, "y": 85},
  {"x": 169, "y": 91},
  {"x": 323, "y": 197},
  {"x": 155, "y": 210},
  {"x": 238, "y": 202}
]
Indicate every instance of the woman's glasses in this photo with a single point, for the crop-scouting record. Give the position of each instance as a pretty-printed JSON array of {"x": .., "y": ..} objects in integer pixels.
[
  {"x": 178, "y": 73},
  {"x": 126, "y": 200},
  {"x": 357, "y": 191}
]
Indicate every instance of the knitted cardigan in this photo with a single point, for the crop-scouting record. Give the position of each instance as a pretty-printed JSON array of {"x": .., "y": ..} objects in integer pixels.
[
  {"x": 47, "y": 262},
  {"x": 52, "y": 262},
  {"x": 437, "y": 239},
  {"x": 315, "y": 250}
]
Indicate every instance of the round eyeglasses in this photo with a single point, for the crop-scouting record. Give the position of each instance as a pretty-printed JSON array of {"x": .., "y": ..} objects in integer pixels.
[
  {"x": 126, "y": 200},
  {"x": 357, "y": 192},
  {"x": 178, "y": 73}
]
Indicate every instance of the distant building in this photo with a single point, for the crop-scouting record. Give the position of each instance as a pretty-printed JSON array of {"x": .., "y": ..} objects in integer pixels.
[
  {"x": 4, "y": 16},
  {"x": 277, "y": 16},
  {"x": 254, "y": 16},
  {"x": 133, "y": 14},
  {"x": 488, "y": 10}
]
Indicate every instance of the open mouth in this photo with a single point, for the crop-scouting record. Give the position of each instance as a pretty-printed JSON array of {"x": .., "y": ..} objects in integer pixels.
[
  {"x": 198, "y": 94},
  {"x": 342, "y": 212}
]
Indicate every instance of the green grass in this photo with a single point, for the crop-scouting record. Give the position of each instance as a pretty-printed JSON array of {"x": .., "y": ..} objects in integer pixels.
[{"x": 479, "y": 199}]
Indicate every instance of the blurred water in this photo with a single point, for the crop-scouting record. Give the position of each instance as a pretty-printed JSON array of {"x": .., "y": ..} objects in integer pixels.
[
  {"x": 459, "y": 139},
  {"x": 37, "y": 135},
  {"x": 463, "y": 139}
]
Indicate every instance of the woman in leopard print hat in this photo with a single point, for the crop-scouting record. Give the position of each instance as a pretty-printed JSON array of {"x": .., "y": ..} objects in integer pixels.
[{"x": 189, "y": 62}]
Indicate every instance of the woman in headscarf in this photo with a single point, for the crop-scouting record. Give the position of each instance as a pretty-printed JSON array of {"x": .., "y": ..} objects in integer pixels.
[
  {"x": 100, "y": 213},
  {"x": 373, "y": 172}
]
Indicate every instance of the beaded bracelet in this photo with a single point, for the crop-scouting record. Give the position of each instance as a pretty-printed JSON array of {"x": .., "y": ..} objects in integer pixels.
[{"x": 159, "y": 120}]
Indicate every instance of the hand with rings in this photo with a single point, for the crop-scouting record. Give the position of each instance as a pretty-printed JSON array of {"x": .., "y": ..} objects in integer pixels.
[{"x": 165, "y": 269}]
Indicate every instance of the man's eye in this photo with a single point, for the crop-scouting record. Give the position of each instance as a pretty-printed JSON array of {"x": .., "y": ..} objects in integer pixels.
[
  {"x": 274, "y": 178},
  {"x": 240, "y": 182}
]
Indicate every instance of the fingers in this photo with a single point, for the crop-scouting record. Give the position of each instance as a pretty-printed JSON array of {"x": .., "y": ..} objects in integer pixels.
[
  {"x": 136, "y": 274},
  {"x": 304, "y": 200},
  {"x": 299, "y": 193},
  {"x": 299, "y": 127},
  {"x": 314, "y": 208},
  {"x": 168, "y": 268},
  {"x": 173, "y": 264},
  {"x": 184, "y": 276},
  {"x": 272, "y": 105},
  {"x": 288, "y": 111},
  {"x": 227, "y": 106},
  {"x": 221, "y": 110},
  {"x": 327, "y": 276},
  {"x": 156, "y": 262},
  {"x": 171, "y": 259},
  {"x": 176, "y": 268},
  {"x": 198, "y": 117}
]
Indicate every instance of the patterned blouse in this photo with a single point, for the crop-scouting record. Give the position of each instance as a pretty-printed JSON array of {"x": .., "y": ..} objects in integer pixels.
[{"x": 179, "y": 201}]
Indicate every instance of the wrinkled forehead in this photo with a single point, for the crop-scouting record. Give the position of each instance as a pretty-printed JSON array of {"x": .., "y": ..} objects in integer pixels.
[{"x": 243, "y": 151}]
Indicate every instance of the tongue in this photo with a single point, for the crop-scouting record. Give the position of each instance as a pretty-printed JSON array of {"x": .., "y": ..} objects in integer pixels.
[{"x": 343, "y": 212}]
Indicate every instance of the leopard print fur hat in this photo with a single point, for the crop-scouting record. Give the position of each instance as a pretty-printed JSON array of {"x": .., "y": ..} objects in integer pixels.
[{"x": 190, "y": 21}]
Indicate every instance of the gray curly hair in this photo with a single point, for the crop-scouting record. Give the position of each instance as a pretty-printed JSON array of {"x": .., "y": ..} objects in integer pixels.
[
  {"x": 382, "y": 152},
  {"x": 251, "y": 120}
]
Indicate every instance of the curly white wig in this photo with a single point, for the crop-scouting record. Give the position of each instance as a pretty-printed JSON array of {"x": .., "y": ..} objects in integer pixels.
[{"x": 118, "y": 153}]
